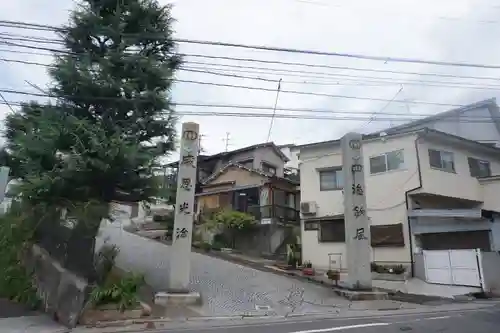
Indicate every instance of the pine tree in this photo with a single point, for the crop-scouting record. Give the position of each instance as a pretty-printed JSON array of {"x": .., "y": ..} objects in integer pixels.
[{"x": 111, "y": 119}]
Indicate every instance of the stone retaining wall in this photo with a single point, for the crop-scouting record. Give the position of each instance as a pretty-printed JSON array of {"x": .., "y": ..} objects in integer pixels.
[{"x": 63, "y": 294}]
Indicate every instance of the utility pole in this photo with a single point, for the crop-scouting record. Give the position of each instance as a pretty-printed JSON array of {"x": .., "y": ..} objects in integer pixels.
[
  {"x": 226, "y": 140},
  {"x": 200, "y": 148}
]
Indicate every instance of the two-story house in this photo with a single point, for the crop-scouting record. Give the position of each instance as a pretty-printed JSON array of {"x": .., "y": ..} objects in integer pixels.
[
  {"x": 252, "y": 180},
  {"x": 425, "y": 190}
]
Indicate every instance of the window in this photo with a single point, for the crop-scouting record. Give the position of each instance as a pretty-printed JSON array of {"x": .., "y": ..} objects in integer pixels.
[
  {"x": 389, "y": 235},
  {"x": 387, "y": 162},
  {"x": 442, "y": 160},
  {"x": 330, "y": 179},
  {"x": 268, "y": 168},
  {"x": 331, "y": 231},
  {"x": 311, "y": 225},
  {"x": 479, "y": 168},
  {"x": 248, "y": 163}
]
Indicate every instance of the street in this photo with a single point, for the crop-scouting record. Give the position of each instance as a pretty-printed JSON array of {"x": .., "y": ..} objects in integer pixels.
[{"x": 477, "y": 321}]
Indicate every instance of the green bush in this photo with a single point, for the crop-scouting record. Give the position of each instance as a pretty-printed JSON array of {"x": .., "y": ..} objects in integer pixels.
[
  {"x": 205, "y": 246},
  {"x": 16, "y": 282},
  {"x": 122, "y": 293}
]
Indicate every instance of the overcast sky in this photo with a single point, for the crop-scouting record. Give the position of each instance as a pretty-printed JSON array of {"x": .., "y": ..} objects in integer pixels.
[{"x": 442, "y": 30}]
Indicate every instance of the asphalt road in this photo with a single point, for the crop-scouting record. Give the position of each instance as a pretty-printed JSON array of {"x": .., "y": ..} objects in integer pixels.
[{"x": 476, "y": 321}]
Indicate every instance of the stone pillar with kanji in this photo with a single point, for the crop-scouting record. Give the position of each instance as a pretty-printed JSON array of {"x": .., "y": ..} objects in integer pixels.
[
  {"x": 357, "y": 227},
  {"x": 180, "y": 252}
]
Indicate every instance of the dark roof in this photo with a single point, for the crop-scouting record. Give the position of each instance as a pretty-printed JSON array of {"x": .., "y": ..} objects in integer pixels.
[
  {"x": 204, "y": 158},
  {"x": 450, "y": 113},
  {"x": 423, "y": 132}
]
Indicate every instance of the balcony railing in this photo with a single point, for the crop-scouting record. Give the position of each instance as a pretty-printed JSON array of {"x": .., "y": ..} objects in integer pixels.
[{"x": 281, "y": 213}]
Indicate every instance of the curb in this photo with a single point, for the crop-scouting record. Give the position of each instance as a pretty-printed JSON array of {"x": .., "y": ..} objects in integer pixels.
[
  {"x": 152, "y": 325},
  {"x": 141, "y": 325}
]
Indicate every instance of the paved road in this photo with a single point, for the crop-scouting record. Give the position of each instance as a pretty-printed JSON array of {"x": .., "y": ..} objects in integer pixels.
[
  {"x": 477, "y": 321},
  {"x": 227, "y": 288}
]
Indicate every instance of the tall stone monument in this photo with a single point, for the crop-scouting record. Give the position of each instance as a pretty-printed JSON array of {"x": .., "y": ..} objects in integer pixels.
[
  {"x": 357, "y": 227},
  {"x": 180, "y": 251}
]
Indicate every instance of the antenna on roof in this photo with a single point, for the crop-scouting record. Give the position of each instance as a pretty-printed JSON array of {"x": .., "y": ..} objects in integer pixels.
[{"x": 226, "y": 140}]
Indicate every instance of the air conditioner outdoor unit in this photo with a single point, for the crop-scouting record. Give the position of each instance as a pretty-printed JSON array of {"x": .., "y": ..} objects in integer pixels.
[{"x": 308, "y": 208}]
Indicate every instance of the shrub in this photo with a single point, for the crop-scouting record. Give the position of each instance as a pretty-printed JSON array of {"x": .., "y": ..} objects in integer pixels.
[
  {"x": 104, "y": 261},
  {"x": 205, "y": 246},
  {"x": 122, "y": 293},
  {"x": 16, "y": 282},
  {"x": 232, "y": 221}
]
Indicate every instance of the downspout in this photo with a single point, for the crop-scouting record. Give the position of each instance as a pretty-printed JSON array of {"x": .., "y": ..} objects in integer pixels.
[{"x": 408, "y": 206}]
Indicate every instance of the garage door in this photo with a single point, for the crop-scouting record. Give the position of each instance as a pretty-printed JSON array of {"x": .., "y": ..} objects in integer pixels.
[{"x": 453, "y": 267}]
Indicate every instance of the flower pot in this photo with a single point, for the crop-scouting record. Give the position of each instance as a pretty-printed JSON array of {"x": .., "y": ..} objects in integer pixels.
[{"x": 309, "y": 271}]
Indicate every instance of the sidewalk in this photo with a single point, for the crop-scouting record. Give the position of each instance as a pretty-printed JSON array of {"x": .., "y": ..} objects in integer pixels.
[{"x": 31, "y": 324}]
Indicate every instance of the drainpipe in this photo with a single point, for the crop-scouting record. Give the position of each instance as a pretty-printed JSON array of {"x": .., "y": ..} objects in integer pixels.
[{"x": 408, "y": 206}]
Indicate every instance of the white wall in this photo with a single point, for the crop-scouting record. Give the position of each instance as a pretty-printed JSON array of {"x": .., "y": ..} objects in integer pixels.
[
  {"x": 385, "y": 194},
  {"x": 459, "y": 184},
  {"x": 293, "y": 155},
  {"x": 483, "y": 131}
]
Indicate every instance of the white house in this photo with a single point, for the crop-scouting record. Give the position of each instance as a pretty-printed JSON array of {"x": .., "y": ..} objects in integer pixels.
[
  {"x": 292, "y": 153},
  {"x": 425, "y": 190},
  {"x": 478, "y": 122}
]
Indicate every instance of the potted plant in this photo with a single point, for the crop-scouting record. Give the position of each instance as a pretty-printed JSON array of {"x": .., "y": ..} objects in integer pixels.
[
  {"x": 333, "y": 275},
  {"x": 307, "y": 269}
]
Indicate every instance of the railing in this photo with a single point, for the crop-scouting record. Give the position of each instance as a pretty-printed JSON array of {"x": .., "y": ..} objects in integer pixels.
[{"x": 283, "y": 214}]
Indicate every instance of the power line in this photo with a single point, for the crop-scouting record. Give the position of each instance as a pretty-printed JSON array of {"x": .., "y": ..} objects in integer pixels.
[
  {"x": 36, "y": 39},
  {"x": 7, "y": 103},
  {"x": 309, "y": 114},
  {"x": 328, "y": 75},
  {"x": 296, "y": 92},
  {"x": 274, "y": 111},
  {"x": 44, "y": 27},
  {"x": 384, "y": 81},
  {"x": 306, "y": 116},
  {"x": 374, "y": 115}
]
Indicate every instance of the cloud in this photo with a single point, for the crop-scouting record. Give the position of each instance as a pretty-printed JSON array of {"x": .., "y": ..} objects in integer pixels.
[{"x": 426, "y": 29}]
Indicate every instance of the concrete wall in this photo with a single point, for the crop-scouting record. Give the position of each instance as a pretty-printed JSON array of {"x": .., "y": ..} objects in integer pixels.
[
  {"x": 495, "y": 234},
  {"x": 385, "y": 195},
  {"x": 491, "y": 272},
  {"x": 490, "y": 188},
  {"x": 419, "y": 266},
  {"x": 293, "y": 155},
  {"x": 63, "y": 294}
]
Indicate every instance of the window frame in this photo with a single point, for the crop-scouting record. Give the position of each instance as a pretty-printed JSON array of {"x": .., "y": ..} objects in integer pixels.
[
  {"x": 311, "y": 225},
  {"x": 337, "y": 237},
  {"x": 394, "y": 235},
  {"x": 245, "y": 162},
  {"x": 269, "y": 166},
  {"x": 478, "y": 161},
  {"x": 442, "y": 168},
  {"x": 386, "y": 159},
  {"x": 331, "y": 169}
]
